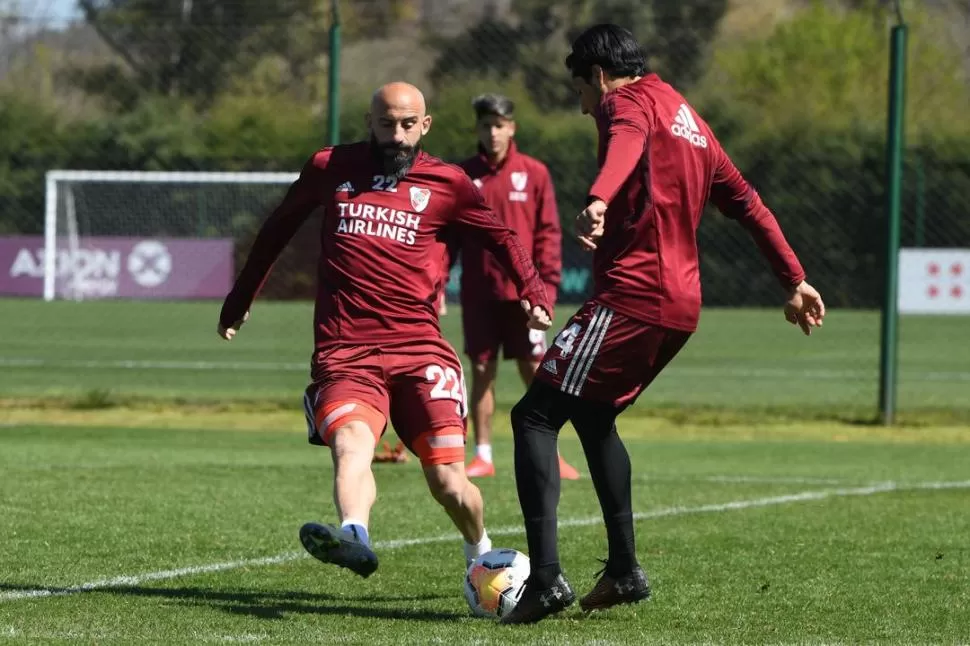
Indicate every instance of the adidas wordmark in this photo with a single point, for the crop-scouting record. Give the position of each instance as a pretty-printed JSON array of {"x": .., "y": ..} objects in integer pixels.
[{"x": 686, "y": 127}]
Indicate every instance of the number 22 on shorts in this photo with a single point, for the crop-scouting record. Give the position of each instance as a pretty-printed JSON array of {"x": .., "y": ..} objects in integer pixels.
[{"x": 448, "y": 384}]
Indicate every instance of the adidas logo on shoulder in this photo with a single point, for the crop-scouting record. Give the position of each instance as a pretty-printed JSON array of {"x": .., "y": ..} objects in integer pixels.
[
  {"x": 686, "y": 127},
  {"x": 346, "y": 187}
]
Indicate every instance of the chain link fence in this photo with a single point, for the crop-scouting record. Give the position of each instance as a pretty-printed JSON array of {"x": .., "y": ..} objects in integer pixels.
[{"x": 796, "y": 91}]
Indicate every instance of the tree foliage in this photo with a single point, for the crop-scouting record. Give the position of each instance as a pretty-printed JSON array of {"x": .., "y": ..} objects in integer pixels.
[
  {"x": 674, "y": 36},
  {"x": 191, "y": 49},
  {"x": 800, "y": 109},
  {"x": 831, "y": 67}
]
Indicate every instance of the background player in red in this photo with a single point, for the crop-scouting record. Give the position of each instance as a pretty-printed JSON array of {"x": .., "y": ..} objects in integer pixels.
[
  {"x": 659, "y": 165},
  {"x": 387, "y": 210},
  {"x": 518, "y": 188}
]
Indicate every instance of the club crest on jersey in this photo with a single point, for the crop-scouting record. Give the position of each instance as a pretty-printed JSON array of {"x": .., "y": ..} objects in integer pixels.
[
  {"x": 519, "y": 180},
  {"x": 419, "y": 198}
]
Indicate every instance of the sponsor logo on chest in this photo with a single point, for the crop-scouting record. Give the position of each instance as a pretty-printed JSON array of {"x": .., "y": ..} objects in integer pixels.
[{"x": 362, "y": 219}]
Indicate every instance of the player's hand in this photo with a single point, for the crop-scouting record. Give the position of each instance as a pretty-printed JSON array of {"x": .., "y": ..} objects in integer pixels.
[
  {"x": 539, "y": 318},
  {"x": 805, "y": 307},
  {"x": 590, "y": 223},
  {"x": 228, "y": 332}
]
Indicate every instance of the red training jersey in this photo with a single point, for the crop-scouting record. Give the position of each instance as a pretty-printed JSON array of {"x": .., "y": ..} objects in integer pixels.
[
  {"x": 383, "y": 259},
  {"x": 520, "y": 191},
  {"x": 660, "y": 164}
]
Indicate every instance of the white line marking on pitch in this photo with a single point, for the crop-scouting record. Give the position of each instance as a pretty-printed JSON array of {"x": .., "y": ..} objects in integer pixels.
[
  {"x": 751, "y": 503},
  {"x": 304, "y": 366},
  {"x": 132, "y": 364}
]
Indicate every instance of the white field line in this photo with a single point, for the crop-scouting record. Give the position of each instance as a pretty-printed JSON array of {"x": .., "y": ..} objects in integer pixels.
[
  {"x": 742, "y": 479},
  {"x": 303, "y": 366},
  {"x": 132, "y": 364},
  {"x": 750, "y": 503}
]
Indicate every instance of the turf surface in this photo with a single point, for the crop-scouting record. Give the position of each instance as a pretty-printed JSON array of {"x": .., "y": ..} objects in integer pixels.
[{"x": 153, "y": 479}]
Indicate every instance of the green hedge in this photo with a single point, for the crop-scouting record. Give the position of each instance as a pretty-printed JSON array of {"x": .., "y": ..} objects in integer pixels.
[{"x": 826, "y": 185}]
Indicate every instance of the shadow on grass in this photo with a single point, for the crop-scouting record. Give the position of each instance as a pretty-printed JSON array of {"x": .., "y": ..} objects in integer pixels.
[{"x": 275, "y": 605}]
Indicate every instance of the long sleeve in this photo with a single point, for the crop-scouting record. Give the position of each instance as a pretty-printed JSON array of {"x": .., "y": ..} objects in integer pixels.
[
  {"x": 547, "y": 241},
  {"x": 738, "y": 200},
  {"x": 478, "y": 220},
  {"x": 276, "y": 232},
  {"x": 626, "y": 137}
]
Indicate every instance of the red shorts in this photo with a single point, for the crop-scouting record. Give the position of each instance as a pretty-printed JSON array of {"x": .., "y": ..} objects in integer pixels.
[
  {"x": 603, "y": 356},
  {"x": 491, "y": 325},
  {"x": 418, "y": 386}
]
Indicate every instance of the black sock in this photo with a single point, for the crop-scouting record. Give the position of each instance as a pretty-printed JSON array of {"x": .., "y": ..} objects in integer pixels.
[
  {"x": 536, "y": 421},
  {"x": 609, "y": 468}
]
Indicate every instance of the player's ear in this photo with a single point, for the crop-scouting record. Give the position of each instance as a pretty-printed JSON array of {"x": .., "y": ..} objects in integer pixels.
[
  {"x": 425, "y": 124},
  {"x": 597, "y": 77},
  {"x": 367, "y": 120},
  {"x": 511, "y": 128}
]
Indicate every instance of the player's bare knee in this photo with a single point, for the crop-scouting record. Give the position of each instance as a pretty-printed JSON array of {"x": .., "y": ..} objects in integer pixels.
[
  {"x": 354, "y": 439},
  {"x": 448, "y": 483}
]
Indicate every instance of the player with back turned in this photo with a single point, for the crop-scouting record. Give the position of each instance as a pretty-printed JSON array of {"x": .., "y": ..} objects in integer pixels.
[
  {"x": 659, "y": 166},
  {"x": 388, "y": 210}
]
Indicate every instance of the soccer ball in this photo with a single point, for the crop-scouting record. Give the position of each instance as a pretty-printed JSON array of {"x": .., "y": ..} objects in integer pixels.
[{"x": 494, "y": 582}]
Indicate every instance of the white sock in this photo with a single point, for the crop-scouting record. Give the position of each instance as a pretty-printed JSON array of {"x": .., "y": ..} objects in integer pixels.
[
  {"x": 484, "y": 451},
  {"x": 472, "y": 552}
]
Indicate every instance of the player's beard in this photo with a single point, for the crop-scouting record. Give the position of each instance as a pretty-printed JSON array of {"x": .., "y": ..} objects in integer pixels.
[{"x": 396, "y": 159}]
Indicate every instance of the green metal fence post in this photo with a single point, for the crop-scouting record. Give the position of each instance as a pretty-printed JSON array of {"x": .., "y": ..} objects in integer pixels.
[
  {"x": 920, "y": 202},
  {"x": 333, "y": 93},
  {"x": 894, "y": 171}
]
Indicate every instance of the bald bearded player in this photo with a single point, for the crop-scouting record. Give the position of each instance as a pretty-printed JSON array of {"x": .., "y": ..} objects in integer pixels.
[{"x": 387, "y": 211}]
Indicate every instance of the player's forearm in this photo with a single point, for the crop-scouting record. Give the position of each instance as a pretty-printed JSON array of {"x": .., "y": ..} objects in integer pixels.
[
  {"x": 247, "y": 285},
  {"x": 623, "y": 153},
  {"x": 548, "y": 256},
  {"x": 738, "y": 200},
  {"x": 549, "y": 269},
  {"x": 764, "y": 229},
  {"x": 508, "y": 250},
  {"x": 269, "y": 243}
]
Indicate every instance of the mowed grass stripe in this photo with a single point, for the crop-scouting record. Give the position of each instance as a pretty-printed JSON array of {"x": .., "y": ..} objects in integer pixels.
[
  {"x": 736, "y": 505},
  {"x": 269, "y": 366}
]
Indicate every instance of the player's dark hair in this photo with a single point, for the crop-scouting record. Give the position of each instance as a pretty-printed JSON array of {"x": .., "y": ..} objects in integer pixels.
[
  {"x": 612, "y": 47},
  {"x": 493, "y": 105}
]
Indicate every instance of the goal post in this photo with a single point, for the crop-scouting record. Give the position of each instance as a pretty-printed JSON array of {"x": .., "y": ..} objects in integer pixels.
[{"x": 149, "y": 234}]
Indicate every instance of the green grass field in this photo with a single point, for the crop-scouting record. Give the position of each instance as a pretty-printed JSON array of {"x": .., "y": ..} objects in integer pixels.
[
  {"x": 153, "y": 479},
  {"x": 740, "y": 360}
]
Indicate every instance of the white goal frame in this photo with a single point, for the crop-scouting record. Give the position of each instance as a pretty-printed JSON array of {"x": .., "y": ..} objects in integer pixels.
[{"x": 55, "y": 178}]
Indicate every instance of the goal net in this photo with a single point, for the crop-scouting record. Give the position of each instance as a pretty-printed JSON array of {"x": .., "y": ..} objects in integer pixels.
[{"x": 172, "y": 235}]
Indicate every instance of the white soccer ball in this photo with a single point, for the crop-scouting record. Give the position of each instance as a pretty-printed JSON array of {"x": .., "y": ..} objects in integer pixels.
[{"x": 495, "y": 581}]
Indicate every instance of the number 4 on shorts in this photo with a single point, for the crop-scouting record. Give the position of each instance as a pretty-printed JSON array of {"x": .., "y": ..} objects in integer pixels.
[{"x": 565, "y": 340}]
